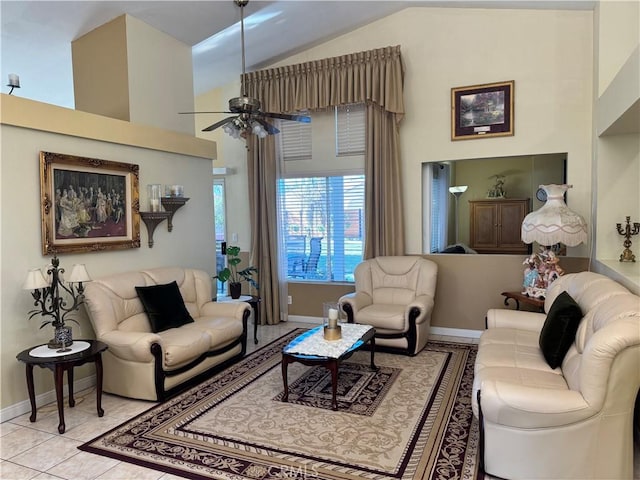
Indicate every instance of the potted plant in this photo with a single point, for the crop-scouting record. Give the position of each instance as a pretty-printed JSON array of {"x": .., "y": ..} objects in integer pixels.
[{"x": 234, "y": 276}]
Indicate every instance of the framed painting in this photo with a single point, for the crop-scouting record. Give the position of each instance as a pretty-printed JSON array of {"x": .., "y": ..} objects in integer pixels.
[
  {"x": 87, "y": 204},
  {"x": 481, "y": 111}
]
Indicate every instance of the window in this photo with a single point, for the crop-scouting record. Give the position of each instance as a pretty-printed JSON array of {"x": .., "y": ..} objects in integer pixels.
[
  {"x": 322, "y": 219},
  {"x": 296, "y": 140},
  {"x": 219, "y": 220},
  {"x": 321, "y": 198},
  {"x": 350, "y": 129}
]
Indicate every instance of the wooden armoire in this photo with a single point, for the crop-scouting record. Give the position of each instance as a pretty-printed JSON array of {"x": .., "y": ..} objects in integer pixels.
[{"x": 495, "y": 225}]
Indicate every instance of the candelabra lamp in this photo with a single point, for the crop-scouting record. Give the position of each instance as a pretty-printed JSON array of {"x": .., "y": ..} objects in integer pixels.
[
  {"x": 629, "y": 230},
  {"x": 51, "y": 298}
]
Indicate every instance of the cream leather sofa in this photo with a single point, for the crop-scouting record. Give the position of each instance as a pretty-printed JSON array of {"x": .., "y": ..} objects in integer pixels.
[
  {"x": 153, "y": 366},
  {"x": 571, "y": 422},
  {"x": 394, "y": 294}
]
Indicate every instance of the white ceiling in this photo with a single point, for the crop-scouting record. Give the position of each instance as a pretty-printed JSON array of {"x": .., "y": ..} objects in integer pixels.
[{"x": 37, "y": 35}]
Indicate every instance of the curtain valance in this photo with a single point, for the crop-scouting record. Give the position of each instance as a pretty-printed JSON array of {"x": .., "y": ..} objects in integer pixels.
[{"x": 372, "y": 76}]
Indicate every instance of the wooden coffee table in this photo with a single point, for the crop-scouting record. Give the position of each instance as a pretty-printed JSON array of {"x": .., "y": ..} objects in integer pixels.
[{"x": 316, "y": 353}]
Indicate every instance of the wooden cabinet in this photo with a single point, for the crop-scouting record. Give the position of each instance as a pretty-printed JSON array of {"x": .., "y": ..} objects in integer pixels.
[{"x": 495, "y": 225}]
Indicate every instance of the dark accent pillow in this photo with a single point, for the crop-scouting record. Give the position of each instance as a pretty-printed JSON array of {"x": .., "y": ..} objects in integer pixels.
[
  {"x": 164, "y": 306},
  {"x": 559, "y": 329}
]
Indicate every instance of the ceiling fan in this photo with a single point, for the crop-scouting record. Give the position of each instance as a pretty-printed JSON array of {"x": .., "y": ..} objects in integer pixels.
[{"x": 248, "y": 114}]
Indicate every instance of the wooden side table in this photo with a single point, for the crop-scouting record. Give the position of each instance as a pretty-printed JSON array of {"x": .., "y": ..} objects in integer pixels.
[
  {"x": 58, "y": 364},
  {"x": 521, "y": 297}
]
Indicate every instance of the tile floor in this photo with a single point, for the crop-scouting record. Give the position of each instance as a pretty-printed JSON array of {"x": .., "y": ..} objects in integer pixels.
[{"x": 36, "y": 450}]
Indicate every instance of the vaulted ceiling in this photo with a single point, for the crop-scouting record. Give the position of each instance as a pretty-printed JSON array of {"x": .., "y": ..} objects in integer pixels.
[{"x": 37, "y": 35}]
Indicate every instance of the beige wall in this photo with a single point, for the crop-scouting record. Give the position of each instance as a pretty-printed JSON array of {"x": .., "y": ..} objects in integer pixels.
[
  {"x": 547, "y": 53},
  {"x": 100, "y": 65},
  {"x": 617, "y": 135},
  {"x": 127, "y": 70},
  {"x": 190, "y": 244},
  {"x": 618, "y": 36}
]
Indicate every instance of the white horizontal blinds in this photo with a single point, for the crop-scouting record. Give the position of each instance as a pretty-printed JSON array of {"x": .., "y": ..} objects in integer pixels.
[
  {"x": 322, "y": 219},
  {"x": 296, "y": 140},
  {"x": 350, "y": 129}
]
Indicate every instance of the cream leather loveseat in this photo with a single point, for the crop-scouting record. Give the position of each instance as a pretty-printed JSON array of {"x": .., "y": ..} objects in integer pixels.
[
  {"x": 152, "y": 366},
  {"x": 571, "y": 422}
]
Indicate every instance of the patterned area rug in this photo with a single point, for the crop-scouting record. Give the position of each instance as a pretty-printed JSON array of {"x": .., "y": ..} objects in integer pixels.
[{"x": 411, "y": 419}]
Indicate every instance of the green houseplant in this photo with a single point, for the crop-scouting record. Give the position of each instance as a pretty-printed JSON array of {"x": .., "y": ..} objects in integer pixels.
[{"x": 234, "y": 276}]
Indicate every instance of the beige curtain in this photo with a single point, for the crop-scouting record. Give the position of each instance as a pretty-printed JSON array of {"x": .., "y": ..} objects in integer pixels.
[
  {"x": 262, "y": 173},
  {"x": 374, "y": 77}
]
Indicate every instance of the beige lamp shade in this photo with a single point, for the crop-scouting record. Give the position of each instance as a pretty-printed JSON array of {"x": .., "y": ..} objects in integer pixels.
[
  {"x": 35, "y": 280},
  {"x": 554, "y": 222},
  {"x": 79, "y": 274}
]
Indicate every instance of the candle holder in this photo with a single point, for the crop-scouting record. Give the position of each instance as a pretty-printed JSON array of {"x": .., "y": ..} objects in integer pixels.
[
  {"x": 331, "y": 320},
  {"x": 629, "y": 230},
  {"x": 154, "y": 194}
]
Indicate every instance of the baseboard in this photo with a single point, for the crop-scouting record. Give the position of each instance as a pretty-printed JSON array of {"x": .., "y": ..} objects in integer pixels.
[
  {"x": 23, "y": 407},
  {"x": 450, "y": 332},
  {"x": 304, "y": 319},
  {"x": 455, "y": 332}
]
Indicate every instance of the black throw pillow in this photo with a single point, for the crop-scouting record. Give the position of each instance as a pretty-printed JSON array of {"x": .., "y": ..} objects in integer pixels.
[
  {"x": 559, "y": 329},
  {"x": 164, "y": 306}
]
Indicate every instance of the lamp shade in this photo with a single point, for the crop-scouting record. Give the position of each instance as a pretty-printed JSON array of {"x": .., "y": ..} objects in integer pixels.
[
  {"x": 458, "y": 189},
  {"x": 554, "y": 222},
  {"x": 79, "y": 274},
  {"x": 35, "y": 280}
]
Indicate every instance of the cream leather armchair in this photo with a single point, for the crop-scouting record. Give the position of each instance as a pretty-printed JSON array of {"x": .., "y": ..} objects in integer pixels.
[{"x": 395, "y": 295}]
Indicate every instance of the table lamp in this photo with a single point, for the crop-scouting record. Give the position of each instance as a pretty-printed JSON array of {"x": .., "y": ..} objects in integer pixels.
[
  {"x": 552, "y": 223},
  {"x": 51, "y": 305}
]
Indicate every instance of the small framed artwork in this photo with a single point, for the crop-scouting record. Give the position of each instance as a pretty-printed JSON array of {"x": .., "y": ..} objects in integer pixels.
[
  {"x": 87, "y": 204},
  {"x": 481, "y": 111}
]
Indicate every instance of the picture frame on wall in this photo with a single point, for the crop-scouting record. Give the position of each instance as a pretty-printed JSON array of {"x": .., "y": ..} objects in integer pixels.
[
  {"x": 481, "y": 111},
  {"x": 88, "y": 204}
]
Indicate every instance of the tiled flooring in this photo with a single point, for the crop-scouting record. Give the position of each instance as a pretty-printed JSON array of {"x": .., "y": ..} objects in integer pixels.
[{"x": 36, "y": 450}]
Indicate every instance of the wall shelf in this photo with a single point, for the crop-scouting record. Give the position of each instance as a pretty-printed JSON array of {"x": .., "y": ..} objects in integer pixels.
[
  {"x": 151, "y": 220},
  {"x": 171, "y": 204}
]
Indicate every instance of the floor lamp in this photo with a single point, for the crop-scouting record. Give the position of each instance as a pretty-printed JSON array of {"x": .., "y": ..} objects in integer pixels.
[{"x": 457, "y": 191}]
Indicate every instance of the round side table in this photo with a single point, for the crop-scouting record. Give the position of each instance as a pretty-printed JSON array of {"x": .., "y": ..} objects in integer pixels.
[{"x": 58, "y": 363}]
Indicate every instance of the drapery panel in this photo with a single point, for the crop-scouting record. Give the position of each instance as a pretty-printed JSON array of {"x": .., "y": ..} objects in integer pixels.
[
  {"x": 375, "y": 78},
  {"x": 262, "y": 172}
]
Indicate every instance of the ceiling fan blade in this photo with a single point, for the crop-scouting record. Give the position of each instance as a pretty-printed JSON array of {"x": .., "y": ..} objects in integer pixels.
[
  {"x": 195, "y": 113},
  {"x": 218, "y": 124},
  {"x": 287, "y": 116},
  {"x": 271, "y": 130}
]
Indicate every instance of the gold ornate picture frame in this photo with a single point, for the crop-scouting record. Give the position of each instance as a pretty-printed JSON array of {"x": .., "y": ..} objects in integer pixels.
[
  {"x": 87, "y": 204},
  {"x": 482, "y": 111}
]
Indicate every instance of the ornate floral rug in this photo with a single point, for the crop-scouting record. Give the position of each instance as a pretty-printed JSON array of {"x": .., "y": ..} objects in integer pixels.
[{"x": 410, "y": 419}]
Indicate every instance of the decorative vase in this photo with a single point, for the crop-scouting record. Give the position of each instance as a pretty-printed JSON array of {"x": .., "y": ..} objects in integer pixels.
[
  {"x": 62, "y": 337},
  {"x": 235, "y": 290}
]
